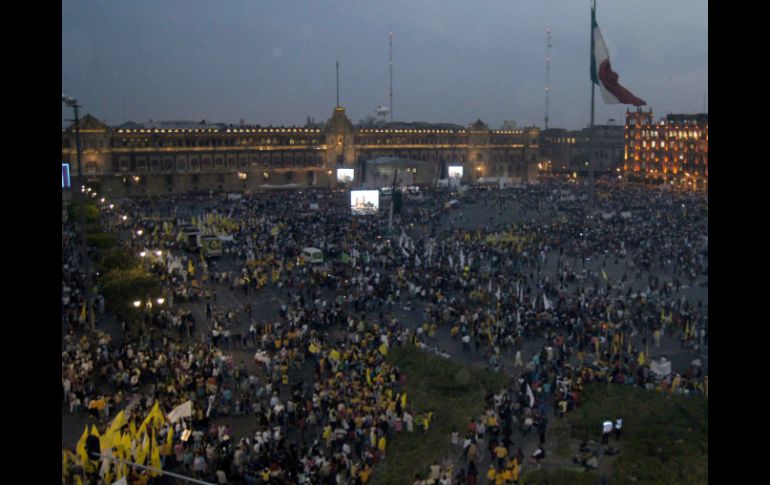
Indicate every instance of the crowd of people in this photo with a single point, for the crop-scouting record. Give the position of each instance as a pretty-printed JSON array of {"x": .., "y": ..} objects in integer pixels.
[{"x": 596, "y": 290}]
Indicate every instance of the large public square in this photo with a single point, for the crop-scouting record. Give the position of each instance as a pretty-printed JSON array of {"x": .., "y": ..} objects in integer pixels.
[{"x": 283, "y": 359}]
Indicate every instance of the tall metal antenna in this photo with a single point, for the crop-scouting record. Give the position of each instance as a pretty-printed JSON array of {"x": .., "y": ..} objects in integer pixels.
[
  {"x": 391, "y": 77},
  {"x": 338, "y": 83},
  {"x": 547, "y": 73}
]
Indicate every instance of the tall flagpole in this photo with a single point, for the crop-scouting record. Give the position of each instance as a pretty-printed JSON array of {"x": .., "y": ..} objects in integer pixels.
[
  {"x": 338, "y": 88},
  {"x": 391, "y": 77},
  {"x": 591, "y": 188},
  {"x": 547, "y": 73}
]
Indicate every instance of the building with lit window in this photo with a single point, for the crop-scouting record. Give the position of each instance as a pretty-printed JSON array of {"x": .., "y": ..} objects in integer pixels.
[
  {"x": 673, "y": 150},
  {"x": 177, "y": 157},
  {"x": 568, "y": 151}
]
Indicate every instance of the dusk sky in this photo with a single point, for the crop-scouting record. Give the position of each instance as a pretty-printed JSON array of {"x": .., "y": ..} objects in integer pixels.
[{"x": 273, "y": 61}]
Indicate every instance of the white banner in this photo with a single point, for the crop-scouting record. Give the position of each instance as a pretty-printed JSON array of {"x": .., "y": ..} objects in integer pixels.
[
  {"x": 181, "y": 411},
  {"x": 660, "y": 369}
]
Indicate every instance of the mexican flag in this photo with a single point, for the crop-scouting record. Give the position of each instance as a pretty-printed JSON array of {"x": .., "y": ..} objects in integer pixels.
[{"x": 602, "y": 73}]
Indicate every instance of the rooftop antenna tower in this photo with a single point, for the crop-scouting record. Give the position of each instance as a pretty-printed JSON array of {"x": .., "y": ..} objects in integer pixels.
[
  {"x": 391, "y": 77},
  {"x": 547, "y": 73},
  {"x": 338, "y": 83}
]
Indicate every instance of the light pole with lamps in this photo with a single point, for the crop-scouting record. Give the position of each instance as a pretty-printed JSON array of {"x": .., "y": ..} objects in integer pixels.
[{"x": 73, "y": 103}]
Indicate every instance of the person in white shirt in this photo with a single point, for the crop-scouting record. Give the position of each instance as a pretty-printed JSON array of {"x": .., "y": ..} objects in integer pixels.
[{"x": 221, "y": 477}]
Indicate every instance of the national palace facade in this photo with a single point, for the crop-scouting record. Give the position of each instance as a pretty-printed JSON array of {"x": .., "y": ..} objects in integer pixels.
[{"x": 175, "y": 157}]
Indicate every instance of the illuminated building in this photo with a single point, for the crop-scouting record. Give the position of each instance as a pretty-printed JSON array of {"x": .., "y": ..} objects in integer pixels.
[
  {"x": 673, "y": 150},
  {"x": 177, "y": 157}
]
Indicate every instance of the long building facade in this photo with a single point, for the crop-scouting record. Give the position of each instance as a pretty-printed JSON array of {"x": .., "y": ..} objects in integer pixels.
[
  {"x": 179, "y": 157},
  {"x": 673, "y": 150}
]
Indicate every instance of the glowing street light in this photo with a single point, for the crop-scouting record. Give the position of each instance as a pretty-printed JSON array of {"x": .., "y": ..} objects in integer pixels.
[
  {"x": 143, "y": 254},
  {"x": 137, "y": 303},
  {"x": 160, "y": 301},
  {"x": 139, "y": 232}
]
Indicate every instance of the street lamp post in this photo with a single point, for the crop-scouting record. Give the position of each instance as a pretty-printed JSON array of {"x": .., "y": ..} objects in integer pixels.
[{"x": 73, "y": 103}]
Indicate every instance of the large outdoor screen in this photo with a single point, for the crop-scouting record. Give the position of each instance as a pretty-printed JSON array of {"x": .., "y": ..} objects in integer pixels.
[
  {"x": 455, "y": 171},
  {"x": 65, "y": 175},
  {"x": 364, "y": 201},
  {"x": 345, "y": 175}
]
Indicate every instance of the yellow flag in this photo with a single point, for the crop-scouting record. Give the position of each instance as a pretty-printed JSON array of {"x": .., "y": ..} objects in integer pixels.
[
  {"x": 641, "y": 359},
  {"x": 155, "y": 458},
  {"x": 144, "y": 451},
  {"x": 170, "y": 436},
  {"x": 313, "y": 348},
  {"x": 150, "y": 418},
  {"x": 108, "y": 440},
  {"x": 125, "y": 443},
  {"x": 191, "y": 268},
  {"x": 82, "y": 441},
  {"x": 81, "y": 451},
  {"x": 132, "y": 428},
  {"x": 368, "y": 377},
  {"x": 94, "y": 431},
  {"x": 159, "y": 417},
  {"x": 334, "y": 355},
  {"x": 78, "y": 480},
  {"x": 64, "y": 464},
  {"x": 118, "y": 422},
  {"x": 384, "y": 349},
  {"x": 403, "y": 401}
]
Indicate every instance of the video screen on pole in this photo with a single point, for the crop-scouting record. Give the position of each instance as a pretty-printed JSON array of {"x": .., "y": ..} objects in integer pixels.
[
  {"x": 65, "y": 175},
  {"x": 364, "y": 201},
  {"x": 345, "y": 175},
  {"x": 455, "y": 171}
]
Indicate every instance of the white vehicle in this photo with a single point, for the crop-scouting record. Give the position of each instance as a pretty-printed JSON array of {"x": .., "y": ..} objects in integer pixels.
[{"x": 313, "y": 255}]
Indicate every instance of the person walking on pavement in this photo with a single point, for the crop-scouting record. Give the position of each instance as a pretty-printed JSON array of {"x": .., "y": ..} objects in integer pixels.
[
  {"x": 541, "y": 428},
  {"x": 606, "y": 430}
]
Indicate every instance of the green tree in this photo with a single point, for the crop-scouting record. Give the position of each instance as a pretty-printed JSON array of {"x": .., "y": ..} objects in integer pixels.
[
  {"x": 92, "y": 212},
  {"x": 101, "y": 240},
  {"x": 116, "y": 258},
  {"x": 123, "y": 286}
]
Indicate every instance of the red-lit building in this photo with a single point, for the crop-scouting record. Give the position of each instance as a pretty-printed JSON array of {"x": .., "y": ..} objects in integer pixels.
[{"x": 673, "y": 150}]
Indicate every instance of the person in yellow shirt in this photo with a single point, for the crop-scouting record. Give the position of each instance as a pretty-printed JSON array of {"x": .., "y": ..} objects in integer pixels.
[
  {"x": 491, "y": 474},
  {"x": 382, "y": 446},
  {"x": 516, "y": 470},
  {"x": 364, "y": 474},
  {"x": 500, "y": 478},
  {"x": 501, "y": 452},
  {"x": 507, "y": 475}
]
